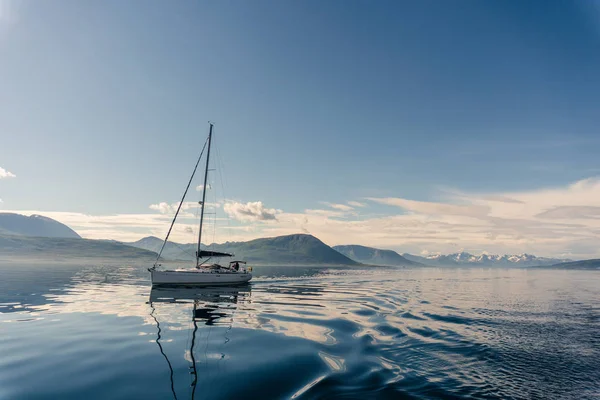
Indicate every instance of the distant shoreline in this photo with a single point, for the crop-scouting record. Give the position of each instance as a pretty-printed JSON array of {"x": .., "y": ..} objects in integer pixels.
[{"x": 143, "y": 261}]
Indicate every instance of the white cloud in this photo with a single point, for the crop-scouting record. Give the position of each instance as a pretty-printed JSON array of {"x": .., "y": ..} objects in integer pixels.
[
  {"x": 341, "y": 207},
  {"x": 170, "y": 208},
  {"x": 166, "y": 208},
  {"x": 356, "y": 204},
  {"x": 426, "y": 207},
  {"x": 163, "y": 208},
  {"x": 251, "y": 211},
  {"x": 502, "y": 199},
  {"x": 571, "y": 212},
  {"x": 199, "y": 188},
  {"x": 4, "y": 174},
  {"x": 326, "y": 213},
  {"x": 558, "y": 221}
]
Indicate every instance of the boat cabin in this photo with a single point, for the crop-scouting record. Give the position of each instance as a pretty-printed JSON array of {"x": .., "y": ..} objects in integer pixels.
[{"x": 235, "y": 265}]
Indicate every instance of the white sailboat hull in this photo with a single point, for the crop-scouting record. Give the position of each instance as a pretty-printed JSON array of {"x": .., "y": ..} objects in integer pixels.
[{"x": 199, "y": 278}]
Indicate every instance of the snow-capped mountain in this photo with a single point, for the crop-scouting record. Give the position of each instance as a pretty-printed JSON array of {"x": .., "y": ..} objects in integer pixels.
[{"x": 464, "y": 258}]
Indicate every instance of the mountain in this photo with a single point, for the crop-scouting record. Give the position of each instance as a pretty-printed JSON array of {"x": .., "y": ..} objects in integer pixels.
[
  {"x": 466, "y": 259},
  {"x": 172, "y": 250},
  {"x": 151, "y": 243},
  {"x": 290, "y": 249},
  {"x": 35, "y": 225},
  {"x": 370, "y": 255},
  {"x": 45, "y": 248}
]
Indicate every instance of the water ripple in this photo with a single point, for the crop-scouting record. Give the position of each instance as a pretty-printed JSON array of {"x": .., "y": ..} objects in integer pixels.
[{"x": 307, "y": 334}]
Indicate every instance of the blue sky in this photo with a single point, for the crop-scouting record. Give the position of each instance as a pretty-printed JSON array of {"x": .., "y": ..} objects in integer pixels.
[{"x": 104, "y": 107}]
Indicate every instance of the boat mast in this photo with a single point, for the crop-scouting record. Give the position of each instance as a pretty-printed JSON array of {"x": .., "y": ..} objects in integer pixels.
[
  {"x": 204, "y": 194},
  {"x": 194, "y": 370}
]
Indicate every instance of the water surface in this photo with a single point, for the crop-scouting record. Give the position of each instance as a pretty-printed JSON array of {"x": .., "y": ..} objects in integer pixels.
[{"x": 99, "y": 332}]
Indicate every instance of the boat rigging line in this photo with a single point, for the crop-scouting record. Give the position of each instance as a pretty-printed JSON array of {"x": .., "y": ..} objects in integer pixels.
[{"x": 181, "y": 203}]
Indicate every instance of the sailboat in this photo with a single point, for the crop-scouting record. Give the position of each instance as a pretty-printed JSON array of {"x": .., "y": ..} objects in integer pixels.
[{"x": 204, "y": 273}]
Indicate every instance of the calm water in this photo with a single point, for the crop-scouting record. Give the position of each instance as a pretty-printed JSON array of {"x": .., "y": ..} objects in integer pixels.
[{"x": 100, "y": 332}]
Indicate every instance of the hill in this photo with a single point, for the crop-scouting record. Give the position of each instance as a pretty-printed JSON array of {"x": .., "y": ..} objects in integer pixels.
[
  {"x": 151, "y": 243},
  {"x": 29, "y": 247},
  {"x": 290, "y": 249},
  {"x": 370, "y": 255},
  {"x": 35, "y": 225},
  {"x": 172, "y": 250}
]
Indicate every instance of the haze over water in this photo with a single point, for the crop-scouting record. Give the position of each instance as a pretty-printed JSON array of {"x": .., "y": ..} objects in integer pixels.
[{"x": 71, "y": 332}]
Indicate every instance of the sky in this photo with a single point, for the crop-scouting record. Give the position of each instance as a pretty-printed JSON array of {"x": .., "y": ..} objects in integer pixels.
[{"x": 418, "y": 126}]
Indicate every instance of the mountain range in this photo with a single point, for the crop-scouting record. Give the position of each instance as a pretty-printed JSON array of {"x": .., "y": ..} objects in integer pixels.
[
  {"x": 43, "y": 238},
  {"x": 491, "y": 260}
]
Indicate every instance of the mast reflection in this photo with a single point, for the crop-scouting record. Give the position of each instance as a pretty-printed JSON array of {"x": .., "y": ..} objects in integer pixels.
[{"x": 210, "y": 306}]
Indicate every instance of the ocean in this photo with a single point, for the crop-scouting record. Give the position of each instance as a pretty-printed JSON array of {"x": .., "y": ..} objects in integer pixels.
[{"x": 101, "y": 332}]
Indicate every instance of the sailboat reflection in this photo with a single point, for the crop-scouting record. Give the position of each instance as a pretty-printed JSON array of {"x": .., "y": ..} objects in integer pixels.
[{"x": 211, "y": 306}]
